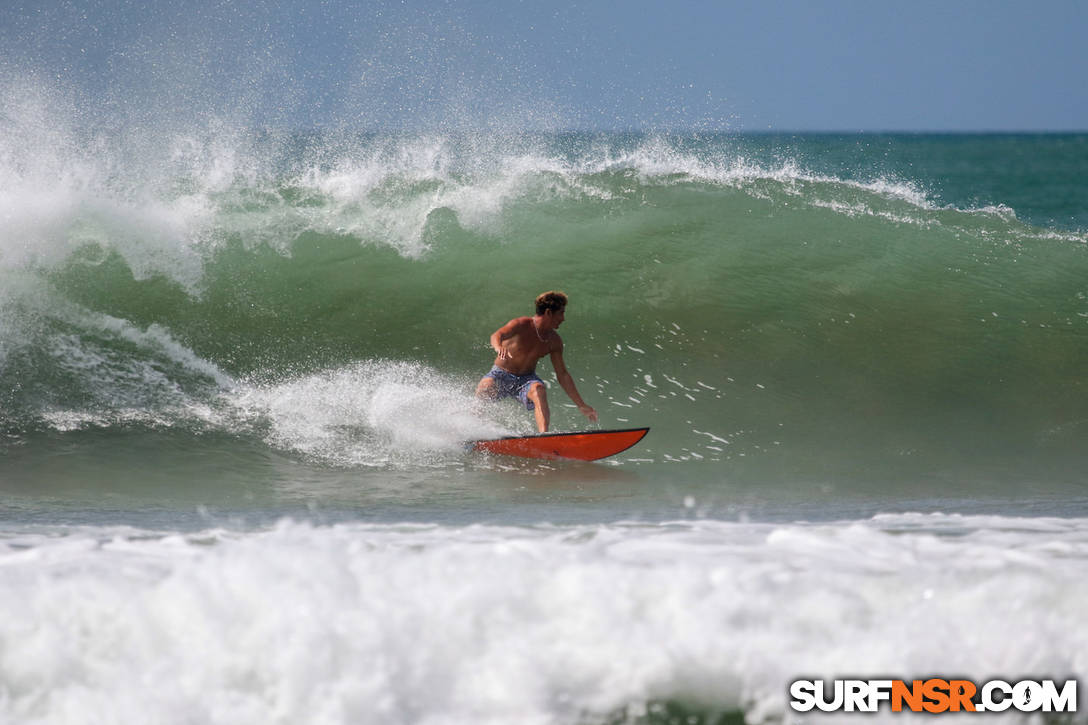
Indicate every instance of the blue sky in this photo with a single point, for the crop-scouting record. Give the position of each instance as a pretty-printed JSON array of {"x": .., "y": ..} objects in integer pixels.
[{"x": 744, "y": 66}]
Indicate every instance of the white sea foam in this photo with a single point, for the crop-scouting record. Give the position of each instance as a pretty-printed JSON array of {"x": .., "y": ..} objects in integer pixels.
[{"x": 429, "y": 624}]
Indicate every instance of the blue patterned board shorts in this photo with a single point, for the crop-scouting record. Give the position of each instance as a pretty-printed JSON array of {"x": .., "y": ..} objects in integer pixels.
[{"x": 508, "y": 385}]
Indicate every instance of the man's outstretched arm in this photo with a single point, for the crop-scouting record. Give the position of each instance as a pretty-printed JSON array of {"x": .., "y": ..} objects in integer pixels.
[{"x": 567, "y": 383}]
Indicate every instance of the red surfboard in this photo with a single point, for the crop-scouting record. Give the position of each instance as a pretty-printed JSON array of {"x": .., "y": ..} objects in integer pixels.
[{"x": 582, "y": 446}]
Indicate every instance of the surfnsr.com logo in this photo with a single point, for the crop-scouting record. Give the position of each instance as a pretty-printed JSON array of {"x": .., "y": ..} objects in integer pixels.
[{"x": 934, "y": 695}]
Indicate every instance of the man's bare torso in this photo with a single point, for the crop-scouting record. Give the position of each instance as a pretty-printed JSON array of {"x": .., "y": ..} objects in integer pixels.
[{"x": 525, "y": 346}]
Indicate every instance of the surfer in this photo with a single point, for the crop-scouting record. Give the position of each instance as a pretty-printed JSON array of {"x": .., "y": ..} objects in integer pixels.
[{"x": 519, "y": 344}]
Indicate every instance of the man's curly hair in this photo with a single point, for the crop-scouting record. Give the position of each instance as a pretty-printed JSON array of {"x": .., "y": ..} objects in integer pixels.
[{"x": 550, "y": 300}]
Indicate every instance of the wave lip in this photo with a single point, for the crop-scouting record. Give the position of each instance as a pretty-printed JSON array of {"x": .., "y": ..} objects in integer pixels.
[{"x": 169, "y": 201}]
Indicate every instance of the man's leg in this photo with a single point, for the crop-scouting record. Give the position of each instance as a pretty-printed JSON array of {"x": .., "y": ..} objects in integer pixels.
[
  {"x": 539, "y": 395},
  {"x": 486, "y": 389}
]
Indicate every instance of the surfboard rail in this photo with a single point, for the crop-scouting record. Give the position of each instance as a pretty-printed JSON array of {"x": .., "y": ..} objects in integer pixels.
[{"x": 591, "y": 445}]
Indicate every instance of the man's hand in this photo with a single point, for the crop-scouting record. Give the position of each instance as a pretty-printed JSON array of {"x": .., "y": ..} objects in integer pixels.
[{"x": 588, "y": 412}]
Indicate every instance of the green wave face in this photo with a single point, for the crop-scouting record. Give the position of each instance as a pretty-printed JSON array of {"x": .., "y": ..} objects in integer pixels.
[{"x": 802, "y": 304}]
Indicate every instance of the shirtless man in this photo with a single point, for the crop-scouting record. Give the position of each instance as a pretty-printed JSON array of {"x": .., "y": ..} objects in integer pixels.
[{"x": 519, "y": 344}]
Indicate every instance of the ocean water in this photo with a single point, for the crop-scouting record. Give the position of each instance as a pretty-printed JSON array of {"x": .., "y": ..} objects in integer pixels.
[{"x": 236, "y": 375}]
